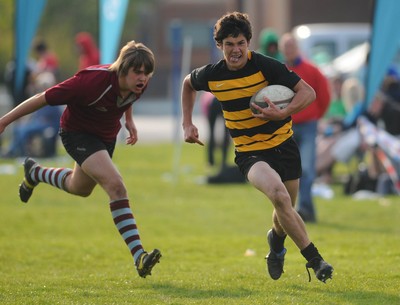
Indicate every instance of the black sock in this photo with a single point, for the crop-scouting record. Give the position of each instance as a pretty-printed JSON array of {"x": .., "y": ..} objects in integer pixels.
[
  {"x": 310, "y": 252},
  {"x": 277, "y": 242}
]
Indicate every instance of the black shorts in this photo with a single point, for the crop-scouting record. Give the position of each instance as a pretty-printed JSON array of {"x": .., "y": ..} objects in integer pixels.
[
  {"x": 284, "y": 159},
  {"x": 82, "y": 145}
]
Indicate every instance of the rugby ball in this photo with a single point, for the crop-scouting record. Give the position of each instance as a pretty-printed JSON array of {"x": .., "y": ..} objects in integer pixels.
[{"x": 280, "y": 95}]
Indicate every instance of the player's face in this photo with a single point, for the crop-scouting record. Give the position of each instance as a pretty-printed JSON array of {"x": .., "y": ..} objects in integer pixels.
[
  {"x": 135, "y": 81},
  {"x": 235, "y": 51}
]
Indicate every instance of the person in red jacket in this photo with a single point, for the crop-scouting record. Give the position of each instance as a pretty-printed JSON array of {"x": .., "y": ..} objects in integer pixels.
[
  {"x": 89, "y": 54},
  {"x": 305, "y": 122}
]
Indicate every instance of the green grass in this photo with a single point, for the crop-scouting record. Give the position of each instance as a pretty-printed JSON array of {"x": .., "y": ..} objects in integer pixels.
[{"x": 61, "y": 249}]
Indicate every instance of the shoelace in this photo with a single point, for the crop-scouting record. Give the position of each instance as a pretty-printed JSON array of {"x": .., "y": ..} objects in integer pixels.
[
  {"x": 310, "y": 265},
  {"x": 309, "y": 275}
]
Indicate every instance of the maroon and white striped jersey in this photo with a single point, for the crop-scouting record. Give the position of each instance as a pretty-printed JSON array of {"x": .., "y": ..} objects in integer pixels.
[{"x": 93, "y": 102}]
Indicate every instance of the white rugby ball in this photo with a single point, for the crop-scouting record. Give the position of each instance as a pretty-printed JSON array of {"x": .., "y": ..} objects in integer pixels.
[{"x": 280, "y": 95}]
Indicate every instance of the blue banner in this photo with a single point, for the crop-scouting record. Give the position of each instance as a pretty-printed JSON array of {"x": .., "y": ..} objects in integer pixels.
[
  {"x": 385, "y": 41},
  {"x": 28, "y": 14},
  {"x": 112, "y": 16}
]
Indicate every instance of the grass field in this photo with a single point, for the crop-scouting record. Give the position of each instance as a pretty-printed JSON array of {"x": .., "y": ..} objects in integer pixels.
[{"x": 61, "y": 249}]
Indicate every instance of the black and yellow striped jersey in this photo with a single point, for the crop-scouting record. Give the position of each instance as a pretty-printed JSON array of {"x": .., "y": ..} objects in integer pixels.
[{"x": 235, "y": 88}]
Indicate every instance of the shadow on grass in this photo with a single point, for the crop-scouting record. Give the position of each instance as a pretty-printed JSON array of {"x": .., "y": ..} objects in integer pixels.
[
  {"x": 351, "y": 227},
  {"x": 347, "y": 295},
  {"x": 198, "y": 293},
  {"x": 368, "y": 297}
]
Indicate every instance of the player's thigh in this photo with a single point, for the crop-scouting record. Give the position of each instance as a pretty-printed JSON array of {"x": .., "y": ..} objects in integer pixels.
[
  {"x": 100, "y": 167},
  {"x": 265, "y": 178},
  {"x": 79, "y": 182}
]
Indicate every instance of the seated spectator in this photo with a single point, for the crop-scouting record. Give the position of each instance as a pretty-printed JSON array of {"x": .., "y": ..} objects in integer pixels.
[
  {"x": 338, "y": 138},
  {"x": 346, "y": 140},
  {"x": 36, "y": 135},
  {"x": 46, "y": 60},
  {"x": 24, "y": 92},
  {"x": 336, "y": 109}
]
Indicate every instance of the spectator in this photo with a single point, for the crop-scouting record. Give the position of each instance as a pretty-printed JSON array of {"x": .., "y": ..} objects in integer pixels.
[
  {"x": 89, "y": 54},
  {"x": 36, "y": 135},
  {"x": 213, "y": 112},
  {"x": 385, "y": 108},
  {"x": 341, "y": 141},
  {"x": 305, "y": 122},
  {"x": 268, "y": 43},
  {"x": 47, "y": 61},
  {"x": 336, "y": 110},
  {"x": 9, "y": 78},
  {"x": 330, "y": 129}
]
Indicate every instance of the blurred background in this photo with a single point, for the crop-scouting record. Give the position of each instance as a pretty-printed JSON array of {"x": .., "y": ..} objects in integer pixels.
[
  {"x": 151, "y": 21},
  {"x": 353, "y": 42}
]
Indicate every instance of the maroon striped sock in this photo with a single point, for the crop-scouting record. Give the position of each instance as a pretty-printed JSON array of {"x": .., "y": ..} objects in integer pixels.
[
  {"x": 50, "y": 175},
  {"x": 126, "y": 225}
]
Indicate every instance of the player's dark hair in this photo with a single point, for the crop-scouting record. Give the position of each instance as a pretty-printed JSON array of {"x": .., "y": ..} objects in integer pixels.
[
  {"x": 134, "y": 55},
  {"x": 232, "y": 24}
]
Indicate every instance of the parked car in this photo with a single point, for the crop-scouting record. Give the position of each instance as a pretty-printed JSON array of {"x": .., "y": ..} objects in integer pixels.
[{"x": 322, "y": 42}]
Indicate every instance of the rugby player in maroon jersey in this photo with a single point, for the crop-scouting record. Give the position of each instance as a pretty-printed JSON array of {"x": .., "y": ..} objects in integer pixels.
[{"x": 96, "y": 99}]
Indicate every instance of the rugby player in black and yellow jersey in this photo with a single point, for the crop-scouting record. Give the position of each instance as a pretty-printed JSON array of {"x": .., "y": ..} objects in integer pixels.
[{"x": 265, "y": 150}]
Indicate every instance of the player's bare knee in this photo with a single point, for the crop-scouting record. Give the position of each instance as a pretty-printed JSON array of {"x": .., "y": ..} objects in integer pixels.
[
  {"x": 280, "y": 199},
  {"x": 82, "y": 192},
  {"x": 116, "y": 189}
]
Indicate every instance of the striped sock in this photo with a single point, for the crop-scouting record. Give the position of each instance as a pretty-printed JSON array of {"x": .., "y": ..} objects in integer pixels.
[
  {"x": 50, "y": 175},
  {"x": 126, "y": 225}
]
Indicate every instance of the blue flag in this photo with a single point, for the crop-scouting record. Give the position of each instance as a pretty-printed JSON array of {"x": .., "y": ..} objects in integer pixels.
[
  {"x": 112, "y": 16},
  {"x": 385, "y": 41},
  {"x": 28, "y": 14}
]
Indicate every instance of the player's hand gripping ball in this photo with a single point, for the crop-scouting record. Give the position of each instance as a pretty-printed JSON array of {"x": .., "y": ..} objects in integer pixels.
[{"x": 280, "y": 95}]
